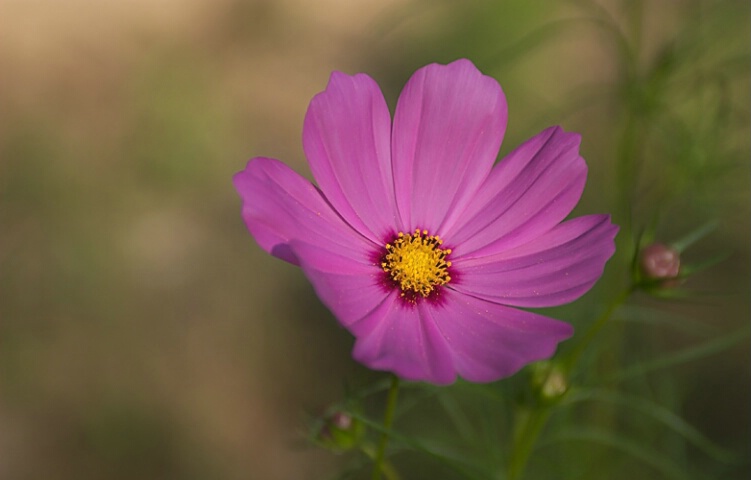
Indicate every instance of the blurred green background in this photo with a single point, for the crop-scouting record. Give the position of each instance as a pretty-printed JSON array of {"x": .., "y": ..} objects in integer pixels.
[{"x": 144, "y": 335}]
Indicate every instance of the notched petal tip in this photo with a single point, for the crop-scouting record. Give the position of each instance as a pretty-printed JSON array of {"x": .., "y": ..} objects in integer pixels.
[
  {"x": 530, "y": 191},
  {"x": 488, "y": 341},
  {"x": 346, "y": 139},
  {"x": 556, "y": 268},
  {"x": 404, "y": 341},
  {"x": 448, "y": 127},
  {"x": 279, "y": 205}
]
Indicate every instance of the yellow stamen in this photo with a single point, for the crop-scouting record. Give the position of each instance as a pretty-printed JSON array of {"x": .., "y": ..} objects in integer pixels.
[{"x": 416, "y": 263}]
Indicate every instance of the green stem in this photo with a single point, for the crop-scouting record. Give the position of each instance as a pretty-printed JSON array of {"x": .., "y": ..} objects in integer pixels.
[
  {"x": 388, "y": 419},
  {"x": 387, "y": 469},
  {"x": 530, "y": 422},
  {"x": 529, "y": 426},
  {"x": 595, "y": 328}
]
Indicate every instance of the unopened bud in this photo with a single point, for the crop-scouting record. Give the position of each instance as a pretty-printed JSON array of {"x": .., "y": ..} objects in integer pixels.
[
  {"x": 555, "y": 385},
  {"x": 341, "y": 420},
  {"x": 549, "y": 380},
  {"x": 341, "y": 431},
  {"x": 660, "y": 262}
]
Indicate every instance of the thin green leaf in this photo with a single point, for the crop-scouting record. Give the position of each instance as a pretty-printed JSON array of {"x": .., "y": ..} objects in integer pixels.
[
  {"x": 659, "y": 413},
  {"x": 637, "y": 449},
  {"x": 707, "y": 349},
  {"x": 692, "y": 237},
  {"x": 455, "y": 462},
  {"x": 658, "y": 317},
  {"x": 698, "y": 267},
  {"x": 458, "y": 417}
]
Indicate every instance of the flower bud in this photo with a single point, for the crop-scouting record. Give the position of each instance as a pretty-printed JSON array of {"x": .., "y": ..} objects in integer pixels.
[
  {"x": 341, "y": 420},
  {"x": 549, "y": 380},
  {"x": 341, "y": 431},
  {"x": 660, "y": 262}
]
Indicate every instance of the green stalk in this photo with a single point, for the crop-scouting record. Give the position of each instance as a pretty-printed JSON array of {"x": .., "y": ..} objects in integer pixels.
[
  {"x": 531, "y": 421},
  {"x": 594, "y": 329},
  {"x": 529, "y": 425},
  {"x": 388, "y": 419}
]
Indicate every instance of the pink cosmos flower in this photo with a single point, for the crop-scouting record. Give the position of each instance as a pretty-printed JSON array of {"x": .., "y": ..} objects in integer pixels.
[{"x": 421, "y": 247}]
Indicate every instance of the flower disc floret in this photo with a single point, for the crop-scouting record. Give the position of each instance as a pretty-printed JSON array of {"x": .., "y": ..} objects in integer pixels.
[{"x": 417, "y": 263}]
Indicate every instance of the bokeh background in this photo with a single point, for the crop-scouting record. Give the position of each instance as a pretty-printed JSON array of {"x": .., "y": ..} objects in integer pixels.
[{"x": 144, "y": 335}]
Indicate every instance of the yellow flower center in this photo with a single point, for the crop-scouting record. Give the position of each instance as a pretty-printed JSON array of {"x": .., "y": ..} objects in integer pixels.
[{"x": 416, "y": 263}]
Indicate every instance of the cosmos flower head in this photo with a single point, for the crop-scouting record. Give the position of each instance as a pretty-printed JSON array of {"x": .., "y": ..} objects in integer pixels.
[{"x": 420, "y": 245}]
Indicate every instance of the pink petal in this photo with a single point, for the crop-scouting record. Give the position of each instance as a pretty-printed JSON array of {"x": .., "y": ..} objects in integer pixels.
[
  {"x": 391, "y": 335},
  {"x": 279, "y": 205},
  {"x": 531, "y": 190},
  {"x": 489, "y": 341},
  {"x": 346, "y": 137},
  {"x": 448, "y": 127},
  {"x": 556, "y": 268},
  {"x": 350, "y": 289},
  {"x": 403, "y": 339}
]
